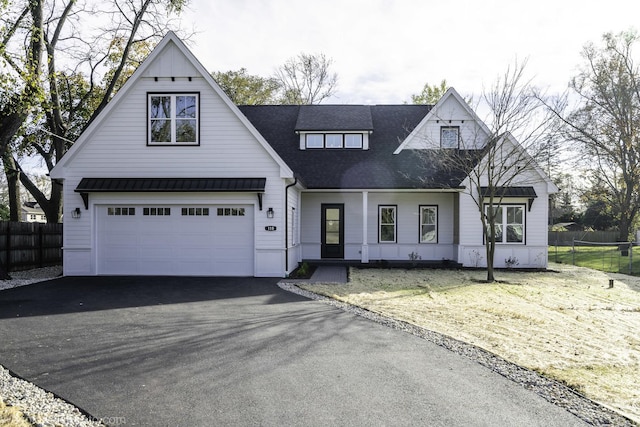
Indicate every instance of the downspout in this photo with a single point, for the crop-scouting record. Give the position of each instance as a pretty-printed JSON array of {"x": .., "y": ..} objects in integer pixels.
[{"x": 286, "y": 223}]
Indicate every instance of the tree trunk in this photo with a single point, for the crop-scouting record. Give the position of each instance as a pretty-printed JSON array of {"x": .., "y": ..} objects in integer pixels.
[
  {"x": 623, "y": 235},
  {"x": 13, "y": 184},
  {"x": 490, "y": 251}
]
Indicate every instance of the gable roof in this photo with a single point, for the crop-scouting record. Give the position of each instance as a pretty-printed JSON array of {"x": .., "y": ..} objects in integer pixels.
[
  {"x": 170, "y": 37},
  {"x": 433, "y": 115},
  {"x": 375, "y": 168}
]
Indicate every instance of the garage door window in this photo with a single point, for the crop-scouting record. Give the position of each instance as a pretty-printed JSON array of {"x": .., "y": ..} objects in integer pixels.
[
  {"x": 121, "y": 211},
  {"x": 195, "y": 211},
  {"x": 230, "y": 211},
  {"x": 156, "y": 211}
]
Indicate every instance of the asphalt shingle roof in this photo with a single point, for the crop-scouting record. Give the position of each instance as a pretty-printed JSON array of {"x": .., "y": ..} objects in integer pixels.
[{"x": 375, "y": 168}]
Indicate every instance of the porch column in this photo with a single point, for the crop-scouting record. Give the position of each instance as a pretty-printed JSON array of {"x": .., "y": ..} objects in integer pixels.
[{"x": 364, "y": 252}]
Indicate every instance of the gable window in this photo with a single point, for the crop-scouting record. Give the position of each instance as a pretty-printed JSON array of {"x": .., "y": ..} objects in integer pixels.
[
  {"x": 387, "y": 224},
  {"x": 353, "y": 140},
  {"x": 449, "y": 136},
  {"x": 428, "y": 224},
  {"x": 173, "y": 119},
  {"x": 512, "y": 219}
]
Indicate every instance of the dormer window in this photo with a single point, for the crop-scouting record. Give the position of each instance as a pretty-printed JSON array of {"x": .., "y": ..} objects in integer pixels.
[
  {"x": 449, "y": 136},
  {"x": 334, "y": 140},
  {"x": 353, "y": 140},
  {"x": 314, "y": 140}
]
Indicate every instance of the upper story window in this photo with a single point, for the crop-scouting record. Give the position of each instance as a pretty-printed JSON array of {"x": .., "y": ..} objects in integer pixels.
[
  {"x": 449, "y": 137},
  {"x": 333, "y": 140},
  {"x": 173, "y": 119}
]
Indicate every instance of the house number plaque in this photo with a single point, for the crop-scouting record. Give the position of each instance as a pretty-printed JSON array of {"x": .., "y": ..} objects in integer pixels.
[{"x": 270, "y": 228}]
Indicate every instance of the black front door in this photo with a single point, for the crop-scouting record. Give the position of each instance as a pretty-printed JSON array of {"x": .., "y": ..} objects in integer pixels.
[{"x": 332, "y": 231}]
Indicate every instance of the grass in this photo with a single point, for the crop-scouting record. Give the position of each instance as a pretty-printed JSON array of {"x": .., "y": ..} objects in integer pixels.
[
  {"x": 566, "y": 324},
  {"x": 602, "y": 258},
  {"x": 11, "y": 416}
]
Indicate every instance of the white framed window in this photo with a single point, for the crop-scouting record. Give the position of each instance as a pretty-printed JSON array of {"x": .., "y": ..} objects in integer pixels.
[
  {"x": 509, "y": 218},
  {"x": 449, "y": 137},
  {"x": 314, "y": 140},
  {"x": 173, "y": 119},
  {"x": 353, "y": 140},
  {"x": 387, "y": 226},
  {"x": 333, "y": 140},
  {"x": 428, "y": 224}
]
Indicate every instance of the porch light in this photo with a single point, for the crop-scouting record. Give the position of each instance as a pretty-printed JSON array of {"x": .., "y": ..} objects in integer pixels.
[
  {"x": 270, "y": 213},
  {"x": 76, "y": 213}
]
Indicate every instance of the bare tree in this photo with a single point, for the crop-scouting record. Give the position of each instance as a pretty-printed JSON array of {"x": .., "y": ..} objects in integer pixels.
[
  {"x": 51, "y": 103},
  {"x": 605, "y": 122},
  {"x": 306, "y": 79},
  {"x": 500, "y": 154}
]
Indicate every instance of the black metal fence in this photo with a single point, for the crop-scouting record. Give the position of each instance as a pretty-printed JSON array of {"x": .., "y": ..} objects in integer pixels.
[{"x": 26, "y": 245}]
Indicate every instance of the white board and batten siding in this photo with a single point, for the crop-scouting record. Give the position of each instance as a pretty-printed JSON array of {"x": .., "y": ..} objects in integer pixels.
[{"x": 117, "y": 148}]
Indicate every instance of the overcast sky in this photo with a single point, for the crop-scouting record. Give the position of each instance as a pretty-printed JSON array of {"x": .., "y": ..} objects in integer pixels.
[{"x": 385, "y": 50}]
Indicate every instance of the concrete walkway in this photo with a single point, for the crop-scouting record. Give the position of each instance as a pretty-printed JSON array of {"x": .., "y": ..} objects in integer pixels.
[{"x": 329, "y": 274}]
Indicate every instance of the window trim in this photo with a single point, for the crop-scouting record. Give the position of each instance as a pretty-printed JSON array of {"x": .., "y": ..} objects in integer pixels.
[
  {"x": 444, "y": 128},
  {"x": 420, "y": 224},
  {"x": 395, "y": 223},
  {"x": 173, "y": 119},
  {"x": 504, "y": 223}
]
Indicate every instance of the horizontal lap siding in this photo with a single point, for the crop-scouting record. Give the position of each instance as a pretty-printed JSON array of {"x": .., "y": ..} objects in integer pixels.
[
  {"x": 408, "y": 224},
  {"x": 227, "y": 149},
  {"x": 408, "y": 215}
]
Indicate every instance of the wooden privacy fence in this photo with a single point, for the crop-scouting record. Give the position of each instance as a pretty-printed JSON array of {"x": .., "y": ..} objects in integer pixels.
[
  {"x": 26, "y": 245},
  {"x": 566, "y": 238}
]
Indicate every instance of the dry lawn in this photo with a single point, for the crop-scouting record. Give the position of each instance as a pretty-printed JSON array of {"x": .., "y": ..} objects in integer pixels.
[
  {"x": 566, "y": 324},
  {"x": 10, "y": 416}
]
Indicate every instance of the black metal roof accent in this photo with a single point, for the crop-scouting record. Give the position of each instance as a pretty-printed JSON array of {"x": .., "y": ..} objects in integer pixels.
[
  {"x": 164, "y": 185},
  {"x": 527, "y": 192}
]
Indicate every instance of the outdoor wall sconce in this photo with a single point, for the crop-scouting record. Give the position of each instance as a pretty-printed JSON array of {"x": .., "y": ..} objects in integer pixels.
[
  {"x": 76, "y": 213},
  {"x": 270, "y": 213}
]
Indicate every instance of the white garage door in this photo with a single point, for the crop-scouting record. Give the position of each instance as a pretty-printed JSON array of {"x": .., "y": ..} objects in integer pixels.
[{"x": 175, "y": 240}]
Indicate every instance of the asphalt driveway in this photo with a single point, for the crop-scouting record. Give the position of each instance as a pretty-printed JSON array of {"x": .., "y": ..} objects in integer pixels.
[{"x": 166, "y": 351}]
